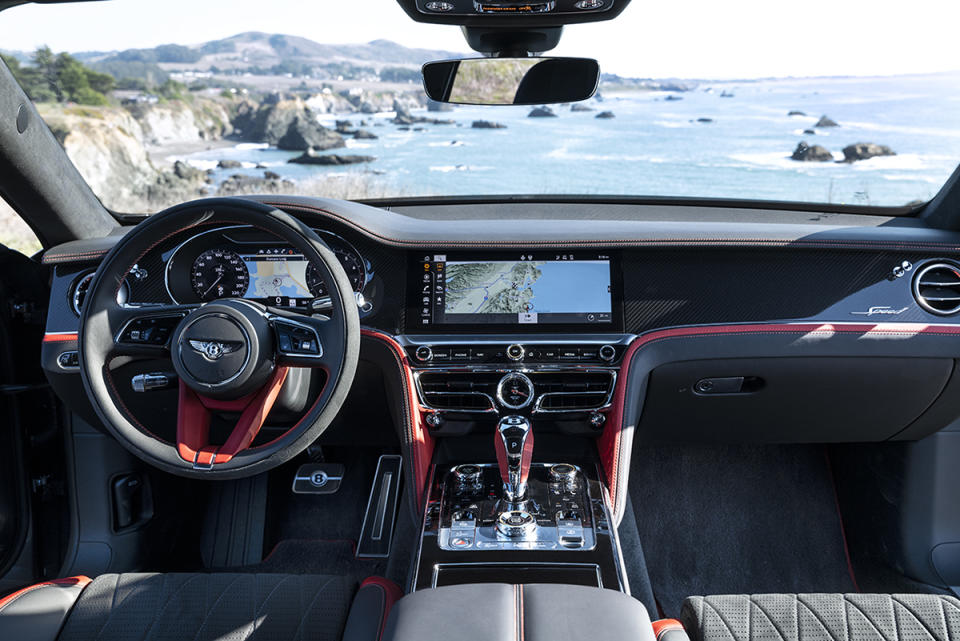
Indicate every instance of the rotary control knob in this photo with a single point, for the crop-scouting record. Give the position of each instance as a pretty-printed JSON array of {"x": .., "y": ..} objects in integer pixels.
[
  {"x": 565, "y": 475},
  {"x": 515, "y": 352},
  {"x": 424, "y": 354},
  {"x": 467, "y": 475},
  {"x": 516, "y": 524},
  {"x": 607, "y": 353}
]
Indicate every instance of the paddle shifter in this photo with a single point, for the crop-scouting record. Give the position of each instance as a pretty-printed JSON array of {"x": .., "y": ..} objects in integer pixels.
[{"x": 514, "y": 445}]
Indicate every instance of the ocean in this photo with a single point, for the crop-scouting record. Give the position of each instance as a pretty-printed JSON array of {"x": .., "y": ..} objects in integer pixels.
[{"x": 659, "y": 147}]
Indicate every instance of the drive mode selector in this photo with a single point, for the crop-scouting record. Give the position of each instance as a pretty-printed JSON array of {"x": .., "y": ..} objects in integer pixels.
[
  {"x": 467, "y": 475},
  {"x": 565, "y": 475},
  {"x": 515, "y": 391},
  {"x": 516, "y": 524},
  {"x": 515, "y": 352}
]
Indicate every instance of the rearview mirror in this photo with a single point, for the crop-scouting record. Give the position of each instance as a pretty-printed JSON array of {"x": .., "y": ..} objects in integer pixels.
[{"x": 511, "y": 81}]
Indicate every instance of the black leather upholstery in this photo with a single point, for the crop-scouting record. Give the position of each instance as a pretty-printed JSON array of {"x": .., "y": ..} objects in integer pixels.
[
  {"x": 37, "y": 613},
  {"x": 501, "y": 612},
  {"x": 822, "y": 617},
  {"x": 135, "y": 607},
  {"x": 238, "y": 607}
]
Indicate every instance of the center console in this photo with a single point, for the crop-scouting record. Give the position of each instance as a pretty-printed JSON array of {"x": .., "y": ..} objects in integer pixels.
[
  {"x": 517, "y": 520},
  {"x": 504, "y": 346}
]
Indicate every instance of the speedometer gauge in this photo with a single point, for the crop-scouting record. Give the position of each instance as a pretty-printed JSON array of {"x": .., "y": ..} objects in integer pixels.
[
  {"x": 219, "y": 273},
  {"x": 351, "y": 262}
]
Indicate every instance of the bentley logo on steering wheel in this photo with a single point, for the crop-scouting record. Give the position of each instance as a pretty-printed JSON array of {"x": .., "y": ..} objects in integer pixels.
[{"x": 212, "y": 350}]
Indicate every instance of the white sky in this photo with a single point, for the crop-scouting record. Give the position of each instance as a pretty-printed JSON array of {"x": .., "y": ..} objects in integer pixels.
[{"x": 652, "y": 38}]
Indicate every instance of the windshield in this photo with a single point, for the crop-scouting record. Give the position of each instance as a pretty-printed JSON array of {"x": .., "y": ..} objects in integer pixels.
[{"x": 825, "y": 102}]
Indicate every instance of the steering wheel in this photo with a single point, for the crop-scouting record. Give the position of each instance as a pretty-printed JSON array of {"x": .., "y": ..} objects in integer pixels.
[{"x": 231, "y": 355}]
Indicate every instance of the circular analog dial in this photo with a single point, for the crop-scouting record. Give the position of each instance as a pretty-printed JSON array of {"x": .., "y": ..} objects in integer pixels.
[
  {"x": 219, "y": 273},
  {"x": 352, "y": 263}
]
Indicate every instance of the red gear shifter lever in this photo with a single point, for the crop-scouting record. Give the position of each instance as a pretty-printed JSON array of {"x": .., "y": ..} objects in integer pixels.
[{"x": 514, "y": 445}]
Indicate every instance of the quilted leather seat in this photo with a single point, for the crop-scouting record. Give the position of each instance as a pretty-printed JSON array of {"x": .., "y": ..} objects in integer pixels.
[
  {"x": 822, "y": 617},
  {"x": 240, "y": 607}
]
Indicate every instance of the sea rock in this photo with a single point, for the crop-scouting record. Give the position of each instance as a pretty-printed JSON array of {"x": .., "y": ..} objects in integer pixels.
[
  {"x": 795, "y": 112},
  {"x": 605, "y": 115},
  {"x": 811, "y": 153},
  {"x": 186, "y": 172},
  {"x": 363, "y": 134},
  {"x": 271, "y": 175},
  {"x": 242, "y": 184},
  {"x": 672, "y": 97},
  {"x": 542, "y": 112},
  {"x": 579, "y": 107},
  {"x": 704, "y": 119},
  {"x": 864, "y": 150},
  {"x": 367, "y": 107},
  {"x": 810, "y": 132},
  {"x": 487, "y": 124},
  {"x": 310, "y": 157},
  {"x": 281, "y": 118},
  {"x": 404, "y": 117},
  {"x": 229, "y": 164},
  {"x": 727, "y": 94},
  {"x": 302, "y": 135},
  {"x": 826, "y": 121}
]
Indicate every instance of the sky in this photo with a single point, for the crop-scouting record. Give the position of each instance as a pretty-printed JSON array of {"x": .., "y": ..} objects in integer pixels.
[{"x": 706, "y": 39}]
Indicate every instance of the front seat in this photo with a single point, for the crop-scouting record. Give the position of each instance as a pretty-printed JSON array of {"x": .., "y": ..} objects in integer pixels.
[
  {"x": 820, "y": 617},
  {"x": 199, "y": 607}
]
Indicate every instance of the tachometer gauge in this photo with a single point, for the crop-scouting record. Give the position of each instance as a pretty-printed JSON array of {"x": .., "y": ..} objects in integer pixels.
[
  {"x": 351, "y": 262},
  {"x": 219, "y": 273}
]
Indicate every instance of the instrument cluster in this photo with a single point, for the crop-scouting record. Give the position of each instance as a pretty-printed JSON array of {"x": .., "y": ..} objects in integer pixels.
[{"x": 241, "y": 262}]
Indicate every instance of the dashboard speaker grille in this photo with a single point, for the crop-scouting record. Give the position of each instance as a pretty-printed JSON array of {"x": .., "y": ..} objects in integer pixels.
[{"x": 937, "y": 288}]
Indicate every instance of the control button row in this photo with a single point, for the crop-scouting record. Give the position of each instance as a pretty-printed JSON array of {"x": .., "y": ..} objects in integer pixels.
[
  {"x": 515, "y": 353},
  {"x": 294, "y": 339},
  {"x": 153, "y": 330}
]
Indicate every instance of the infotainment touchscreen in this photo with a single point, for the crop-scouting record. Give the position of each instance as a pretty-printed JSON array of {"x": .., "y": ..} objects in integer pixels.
[{"x": 528, "y": 288}]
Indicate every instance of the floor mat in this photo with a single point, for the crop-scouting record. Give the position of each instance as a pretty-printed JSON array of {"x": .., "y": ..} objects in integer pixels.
[
  {"x": 304, "y": 556},
  {"x": 321, "y": 516},
  {"x": 737, "y": 520}
]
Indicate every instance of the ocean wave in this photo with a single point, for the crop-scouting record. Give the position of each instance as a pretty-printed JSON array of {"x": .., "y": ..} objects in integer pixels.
[
  {"x": 450, "y": 168},
  {"x": 902, "y": 129},
  {"x": 351, "y": 143},
  {"x": 448, "y": 143},
  {"x": 243, "y": 146}
]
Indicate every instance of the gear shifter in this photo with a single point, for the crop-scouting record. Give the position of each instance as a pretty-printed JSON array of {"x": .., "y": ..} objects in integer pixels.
[{"x": 514, "y": 445}]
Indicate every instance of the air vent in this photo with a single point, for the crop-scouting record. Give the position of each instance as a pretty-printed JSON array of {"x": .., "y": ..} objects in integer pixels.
[
  {"x": 937, "y": 288},
  {"x": 572, "y": 391},
  {"x": 463, "y": 392}
]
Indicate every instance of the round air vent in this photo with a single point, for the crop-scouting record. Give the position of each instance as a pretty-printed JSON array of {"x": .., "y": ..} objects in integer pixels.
[
  {"x": 78, "y": 293},
  {"x": 937, "y": 288}
]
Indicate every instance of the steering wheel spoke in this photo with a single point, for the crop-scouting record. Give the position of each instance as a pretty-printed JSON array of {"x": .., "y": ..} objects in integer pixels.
[
  {"x": 304, "y": 341},
  {"x": 144, "y": 332}
]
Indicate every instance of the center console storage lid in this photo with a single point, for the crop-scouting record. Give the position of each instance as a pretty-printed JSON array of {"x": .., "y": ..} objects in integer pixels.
[{"x": 537, "y": 612}]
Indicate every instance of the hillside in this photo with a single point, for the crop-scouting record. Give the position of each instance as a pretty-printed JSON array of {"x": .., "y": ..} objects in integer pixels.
[{"x": 258, "y": 52}]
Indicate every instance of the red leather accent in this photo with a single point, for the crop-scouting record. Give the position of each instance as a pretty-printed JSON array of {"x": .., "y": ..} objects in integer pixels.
[
  {"x": 391, "y": 594},
  {"x": 65, "y": 337},
  {"x": 608, "y": 442},
  {"x": 82, "y": 581},
  {"x": 193, "y": 421},
  {"x": 665, "y": 625},
  {"x": 501, "y": 451},
  {"x": 527, "y": 457},
  {"x": 421, "y": 443}
]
